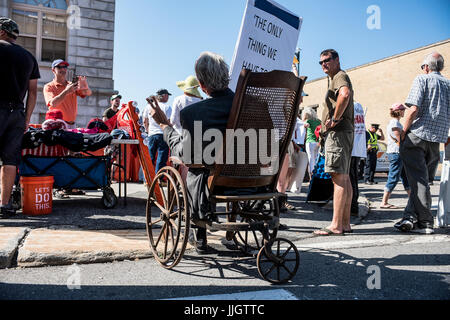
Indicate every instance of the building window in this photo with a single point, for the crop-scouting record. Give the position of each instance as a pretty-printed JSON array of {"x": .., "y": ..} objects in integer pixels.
[{"x": 42, "y": 25}]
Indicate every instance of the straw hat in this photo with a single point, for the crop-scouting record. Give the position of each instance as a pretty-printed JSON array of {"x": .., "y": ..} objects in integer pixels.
[{"x": 190, "y": 85}]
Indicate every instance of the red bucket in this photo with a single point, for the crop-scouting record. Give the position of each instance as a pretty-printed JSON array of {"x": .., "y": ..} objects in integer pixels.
[{"x": 37, "y": 197}]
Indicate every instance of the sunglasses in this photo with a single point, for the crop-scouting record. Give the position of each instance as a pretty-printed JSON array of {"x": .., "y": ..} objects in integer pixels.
[
  {"x": 61, "y": 67},
  {"x": 423, "y": 67},
  {"x": 325, "y": 61}
]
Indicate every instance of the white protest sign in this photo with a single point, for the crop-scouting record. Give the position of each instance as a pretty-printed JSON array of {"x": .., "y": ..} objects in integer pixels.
[
  {"x": 267, "y": 40},
  {"x": 359, "y": 143}
]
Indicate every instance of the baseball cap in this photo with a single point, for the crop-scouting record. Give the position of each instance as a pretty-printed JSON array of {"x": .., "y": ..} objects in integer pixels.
[
  {"x": 115, "y": 96},
  {"x": 304, "y": 94},
  {"x": 10, "y": 26},
  {"x": 163, "y": 91},
  {"x": 58, "y": 62}
]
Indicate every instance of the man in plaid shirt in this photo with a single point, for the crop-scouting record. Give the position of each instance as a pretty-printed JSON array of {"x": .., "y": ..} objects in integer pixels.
[{"x": 426, "y": 126}]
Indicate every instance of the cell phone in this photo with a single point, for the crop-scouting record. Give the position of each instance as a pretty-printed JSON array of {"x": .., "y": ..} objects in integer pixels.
[{"x": 75, "y": 79}]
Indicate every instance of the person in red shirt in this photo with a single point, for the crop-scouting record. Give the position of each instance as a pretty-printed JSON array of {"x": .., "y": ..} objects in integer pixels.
[{"x": 62, "y": 94}]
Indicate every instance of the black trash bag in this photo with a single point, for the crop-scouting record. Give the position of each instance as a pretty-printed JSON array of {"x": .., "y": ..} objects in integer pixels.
[
  {"x": 70, "y": 140},
  {"x": 94, "y": 142},
  {"x": 321, "y": 186},
  {"x": 33, "y": 138}
]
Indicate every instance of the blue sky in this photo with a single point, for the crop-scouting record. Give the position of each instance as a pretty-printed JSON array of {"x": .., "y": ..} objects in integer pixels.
[{"x": 158, "y": 41}]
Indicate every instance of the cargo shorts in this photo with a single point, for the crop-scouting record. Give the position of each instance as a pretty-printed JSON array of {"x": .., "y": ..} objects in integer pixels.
[
  {"x": 12, "y": 130},
  {"x": 338, "y": 151}
]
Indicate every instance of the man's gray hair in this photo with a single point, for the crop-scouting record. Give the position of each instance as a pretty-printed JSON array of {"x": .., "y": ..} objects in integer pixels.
[
  {"x": 434, "y": 61},
  {"x": 212, "y": 71}
]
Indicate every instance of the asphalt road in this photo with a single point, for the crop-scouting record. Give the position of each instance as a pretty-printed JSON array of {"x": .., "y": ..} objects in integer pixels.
[
  {"x": 375, "y": 263},
  {"x": 407, "y": 272}
]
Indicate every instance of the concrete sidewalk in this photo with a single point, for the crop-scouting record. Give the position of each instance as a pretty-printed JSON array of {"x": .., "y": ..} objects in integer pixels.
[{"x": 80, "y": 231}]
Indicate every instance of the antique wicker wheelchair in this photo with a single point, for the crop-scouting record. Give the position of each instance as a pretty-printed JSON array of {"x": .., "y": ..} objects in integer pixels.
[{"x": 263, "y": 101}]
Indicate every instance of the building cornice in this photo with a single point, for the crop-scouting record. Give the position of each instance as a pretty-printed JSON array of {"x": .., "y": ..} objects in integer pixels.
[{"x": 388, "y": 58}]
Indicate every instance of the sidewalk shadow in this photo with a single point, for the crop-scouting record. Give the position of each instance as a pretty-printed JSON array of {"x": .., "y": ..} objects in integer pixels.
[
  {"x": 323, "y": 275},
  {"x": 86, "y": 213}
]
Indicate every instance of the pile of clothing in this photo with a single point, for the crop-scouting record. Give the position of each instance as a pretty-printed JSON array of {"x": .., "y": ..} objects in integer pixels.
[{"x": 55, "y": 131}]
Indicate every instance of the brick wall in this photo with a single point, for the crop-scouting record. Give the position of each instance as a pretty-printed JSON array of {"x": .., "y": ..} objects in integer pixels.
[{"x": 90, "y": 50}]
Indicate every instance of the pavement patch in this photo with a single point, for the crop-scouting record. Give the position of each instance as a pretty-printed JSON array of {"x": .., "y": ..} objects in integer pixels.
[{"x": 44, "y": 247}]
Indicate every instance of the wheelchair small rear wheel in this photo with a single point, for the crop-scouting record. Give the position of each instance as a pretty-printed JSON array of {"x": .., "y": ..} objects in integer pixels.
[{"x": 278, "y": 261}]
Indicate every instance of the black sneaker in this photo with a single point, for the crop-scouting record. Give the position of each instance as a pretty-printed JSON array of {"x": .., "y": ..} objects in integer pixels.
[
  {"x": 204, "y": 249},
  {"x": 425, "y": 228},
  {"x": 200, "y": 246},
  {"x": 7, "y": 212},
  {"x": 404, "y": 225},
  {"x": 283, "y": 227}
]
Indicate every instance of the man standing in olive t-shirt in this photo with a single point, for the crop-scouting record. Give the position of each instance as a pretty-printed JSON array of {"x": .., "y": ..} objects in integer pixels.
[
  {"x": 19, "y": 75},
  {"x": 339, "y": 132}
]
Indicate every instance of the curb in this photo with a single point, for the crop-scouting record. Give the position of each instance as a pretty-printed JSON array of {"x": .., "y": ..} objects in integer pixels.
[
  {"x": 56, "y": 247},
  {"x": 10, "y": 246}
]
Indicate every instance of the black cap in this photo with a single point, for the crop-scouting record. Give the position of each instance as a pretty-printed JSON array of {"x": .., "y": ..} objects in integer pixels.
[
  {"x": 163, "y": 91},
  {"x": 9, "y": 26}
]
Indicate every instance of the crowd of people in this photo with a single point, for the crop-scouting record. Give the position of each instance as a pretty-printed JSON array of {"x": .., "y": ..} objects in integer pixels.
[{"x": 339, "y": 137}]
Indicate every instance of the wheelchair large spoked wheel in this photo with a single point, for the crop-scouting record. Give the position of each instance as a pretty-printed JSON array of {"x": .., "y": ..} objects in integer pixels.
[
  {"x": 250, "y": 242},
  {"x": 278, "y": 261},
  {"x": 167, "y": 222}
]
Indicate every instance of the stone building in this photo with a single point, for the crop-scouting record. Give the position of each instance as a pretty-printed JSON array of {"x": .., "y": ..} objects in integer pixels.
[
  {"x": 78, "y": 31},
  {"x": 380, "y": 84}
]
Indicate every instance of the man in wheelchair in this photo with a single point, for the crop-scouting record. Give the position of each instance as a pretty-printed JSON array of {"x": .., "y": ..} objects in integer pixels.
[{"x": 213, "y": 75}]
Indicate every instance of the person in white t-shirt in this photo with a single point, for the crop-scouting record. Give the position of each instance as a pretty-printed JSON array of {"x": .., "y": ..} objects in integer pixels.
[
  {"x": 156, "y": 142},
  {"x": 396, "y": 170},
  {"x": 359, "y": 152},
  {"x": 288, "y": 170},
  {"x": 301, "y": 158},
  {"x": 190, "y": 96}
]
